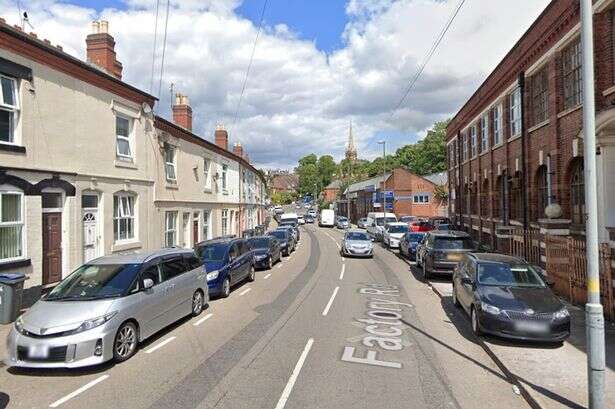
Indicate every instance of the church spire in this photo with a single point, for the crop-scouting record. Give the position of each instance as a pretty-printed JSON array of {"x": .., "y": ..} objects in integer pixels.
[{"x": 351, "y": 150}]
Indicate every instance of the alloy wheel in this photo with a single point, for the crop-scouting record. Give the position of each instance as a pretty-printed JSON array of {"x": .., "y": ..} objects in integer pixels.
[
  {"x": 475, "y": 325},
  {"x": 252, "y": 274},
  {"x": 125, "y": 342},
  {"x": 197, "y": 303},
  {"x": 226, "y": 288},
  {"x": 270, "y": 266}
]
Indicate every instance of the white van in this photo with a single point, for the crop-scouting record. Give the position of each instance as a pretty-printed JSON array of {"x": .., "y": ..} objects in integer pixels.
[
  {"x": 376, "y": 221},
  {"x": 289, "y": 216},
  {"x": 327, "y": 218}
]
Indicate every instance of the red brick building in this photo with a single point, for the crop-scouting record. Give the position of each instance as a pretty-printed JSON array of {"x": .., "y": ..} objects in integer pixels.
[{"x": 331, "y": 192}]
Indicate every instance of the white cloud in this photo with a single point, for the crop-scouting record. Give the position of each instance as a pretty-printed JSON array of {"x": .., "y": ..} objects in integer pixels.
[{"x": 299, "y": 99}]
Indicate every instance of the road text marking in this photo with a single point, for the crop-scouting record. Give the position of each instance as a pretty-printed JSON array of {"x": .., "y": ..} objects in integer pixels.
[
  {"x": 160, "y": 345},
  {"x": 293, "y": 377},
  {"x": 342, "y": 272},
  {"x": 78, "y": 391},
  {"x": 202, "y": 320},
  {"x": 244, "y": 292},
  {"x": 326, "y": 310},
  {"x": 267, "y": 276}
]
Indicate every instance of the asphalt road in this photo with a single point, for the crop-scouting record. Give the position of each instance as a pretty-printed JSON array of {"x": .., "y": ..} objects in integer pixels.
[{"x": 316, "y": 331}]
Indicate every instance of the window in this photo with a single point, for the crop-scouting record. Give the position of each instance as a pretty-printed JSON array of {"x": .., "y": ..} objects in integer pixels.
[
  {"x": 571, "y": 73},
  {"x": 170, "y": 231},
  {"x": 420, "y": 199},
  {"x": 484, "y": 198},
  {"x": 497, "y": 125},
  {"x": 516, "y": 197},
  {"x": 542, "y": 191},
  {"x": 153, "y": 273},
  {"x": 206, "y": 224},
  {"x": 224, "y": 173},
  {"x": 9, "y": 109},
  {"x": 11, "y": 225},
  {"x": 170, "y": 166},
  {"x": 451, "y": 155},
  {"x": 123, "y": 217},
  {"x": 484, "y": 132},
  {"x": 577, "y": 193},
  {"x": 515, "y": 112},
  {"x": 122, "y": 132},
  {"x": 172, "y": 268},
  {"x": 464, "y": 151},
  {"x": 51, "y": 200},
  {"x": 224, "y": 222},
  {"x": 89, "y": 201},
  {"x": 540, "y": 97},
  {"x": 473, "y": 145},
  {"x": 207, "y": 173}
]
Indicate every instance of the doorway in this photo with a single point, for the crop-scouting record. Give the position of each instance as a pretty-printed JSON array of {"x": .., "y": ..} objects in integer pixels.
[
  {"x": 91, "y": 233},
  {"x": 52, "y": 247}
]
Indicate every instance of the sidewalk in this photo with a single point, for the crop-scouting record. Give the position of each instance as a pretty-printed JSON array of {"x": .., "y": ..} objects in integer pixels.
[{"x": 554, "y": 375}]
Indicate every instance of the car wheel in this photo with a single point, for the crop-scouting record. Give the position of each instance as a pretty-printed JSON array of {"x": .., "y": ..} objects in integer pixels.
[
  {"x": 125, "y": 343},
  {"x": 425, "y": 272},
  {"x": 475, "y": 324},
  {"x": 270, "y": 264},
  {"x": 226, "y": 288},
  {"x": 197, "y": 303},
  {"x": 455, "y": 300},
  {"x": 252, "y": 274}
]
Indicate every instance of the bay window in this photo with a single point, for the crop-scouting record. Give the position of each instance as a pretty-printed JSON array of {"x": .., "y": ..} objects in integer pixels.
[
  {"x": 123, "y": 217},
  {"x": 9, "y": 109},
  {"x": 11, "y": 225}
]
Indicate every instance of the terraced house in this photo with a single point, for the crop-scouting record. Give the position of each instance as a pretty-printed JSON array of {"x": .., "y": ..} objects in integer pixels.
[
  {"x": 87, "y": 169},
  {"x": 515, "y": 149}
]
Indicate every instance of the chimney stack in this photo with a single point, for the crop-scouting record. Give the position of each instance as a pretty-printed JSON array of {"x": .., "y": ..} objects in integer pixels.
[
  {"x": 221, "y": 137},
  {"x": 101, "y": 49},
  {"x": 238, "y": 149},
  {"x": 182, "y": 112}
]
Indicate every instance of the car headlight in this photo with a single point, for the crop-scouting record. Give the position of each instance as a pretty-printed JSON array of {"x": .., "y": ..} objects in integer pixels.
[
  {"x": 283, "y": 245},
  {"x": 212, "y": 275},
  {"x": 561, "y": 314},
  {"x": 19, "y": 325},
  {"x": 490, "y": 309},
  {"x": 260, "y": 257},
  {"x": 94, "y": 322}
]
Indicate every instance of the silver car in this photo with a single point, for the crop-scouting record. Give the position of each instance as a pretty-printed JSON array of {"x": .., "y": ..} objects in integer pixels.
[
  {"x": 106, "y": 307},
  {"x": 357, "y": 243}
]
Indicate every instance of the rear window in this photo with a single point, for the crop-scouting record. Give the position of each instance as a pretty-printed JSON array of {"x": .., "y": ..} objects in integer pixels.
[
  {"x": 212, "y": 252},
  {"x": 260, "y": 243},
  {"x": 397, "y": 229},
  {"x": 453, "y": 243},
  {"x": 279, "y": 234},
  {"x": 412, "y": 237}
]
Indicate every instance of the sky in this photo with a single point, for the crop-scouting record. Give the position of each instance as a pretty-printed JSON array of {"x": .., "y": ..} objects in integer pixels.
[{"x": 318, "y": 64}]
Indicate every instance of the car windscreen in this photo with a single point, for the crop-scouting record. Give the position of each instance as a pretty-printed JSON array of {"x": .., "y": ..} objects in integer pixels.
[
  {"x": 379, "y": 221},
  {"x": 342, "y": 219},
  {"x": 278, "y": 234},
  {"x": 95, "y": 281},
  {"x": 505, "y": 275},
  {"x": 212, "y": 252},
  {"x": 414, "y": 237},
  {"x": 407, "y": 219},
  {"x": 453, "y": 243},
  {"x": 288, "y": 223},
  {"x": 259, "y": 243},
  {"x": 397, "y": 229},
  {"x": 357, "y": 236},
  {"x": 443, "y": 227},
  {"x": 391, "y": 220}
]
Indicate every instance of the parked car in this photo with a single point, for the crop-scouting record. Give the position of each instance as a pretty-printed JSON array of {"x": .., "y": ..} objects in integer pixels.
[
  {"x": 440, "y": 251},
  {"x": 300, "y": 220},
  {"x": 228, "y": 262},
  {"x": 362, "y": 223},
  {"x": 342, "y": 222},
  {"x": 377, "y": 220},
  {"x": 421, "y": 226},
  {"x": 265, "y": 250},
  {"x": 393, "y": 232},
  {"x": 309, "y": 219},
  {"x": 408, "y": 219},
  {"x": 507, "y": 297},
  {"x": 294, "y": 225},
  {"x": 357, "y": 243},
  {"x": 313, "y": 213},
  {"x": 106, "y": 307},
  {"x": 409, "y": 243},
  {"x": 444, "y": 227},
  {"x": 326, "y": 218},
  {"x": 285, "y": 237},
  {"x": 438, "y": 220}
]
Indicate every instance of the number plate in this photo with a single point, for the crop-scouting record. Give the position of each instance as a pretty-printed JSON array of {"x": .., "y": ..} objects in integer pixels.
[
  {"x": 38, "y": 352},
  {"x": 453, "y": 257},
  {"x": 529, "y": 326}
]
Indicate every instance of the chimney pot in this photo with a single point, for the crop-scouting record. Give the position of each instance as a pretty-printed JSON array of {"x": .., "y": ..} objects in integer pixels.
[
  {"x": 2, "y": 20},
  {"x": 95, "y": 27},
  {"x": 221, "y": 137},
  {"x": 47, "y": 41},
  {"x": 104, "y": 26},
  {"x": 182, "y": 112},
  {"x": 101, "y": 49},
  {"x": 59, "y": 47}
]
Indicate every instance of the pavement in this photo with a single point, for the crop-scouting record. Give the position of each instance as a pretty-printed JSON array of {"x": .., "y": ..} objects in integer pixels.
[{"x": 316, "y": 331}]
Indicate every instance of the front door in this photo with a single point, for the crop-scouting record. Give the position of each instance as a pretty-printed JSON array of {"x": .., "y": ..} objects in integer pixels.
[
  {"x": 195, "y": 231},
  {"x": 52, "y": 247},
  {"x": 90, "y": 235}
]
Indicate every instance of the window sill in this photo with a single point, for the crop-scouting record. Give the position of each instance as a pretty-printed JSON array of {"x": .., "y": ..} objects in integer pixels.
[
  {"x": 485, "y": 152},
  {"x": 124, "y": 163},
  {"x": 225, "y": 192},
  {"x": 496, "y": 146},
  {"x": 513, "y": 138},
  {"x": 608, "y": 91},
  {"x": 9, "y": 265},
  {"x": 123, "y": 246},
  {"x": 207, "y": 190},
  {"x": 538, "y": 126},
  {"x": 569, "y": 111},
  {"x": 9, "y": 147},
  {"x": 172, "y": 184}
]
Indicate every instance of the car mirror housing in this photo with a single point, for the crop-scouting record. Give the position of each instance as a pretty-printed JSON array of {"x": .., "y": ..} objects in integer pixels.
[{"x": 148, "y": 283}]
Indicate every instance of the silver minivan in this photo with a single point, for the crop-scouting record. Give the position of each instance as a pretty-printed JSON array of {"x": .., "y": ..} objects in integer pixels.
[{"x": 106, "y": 307}]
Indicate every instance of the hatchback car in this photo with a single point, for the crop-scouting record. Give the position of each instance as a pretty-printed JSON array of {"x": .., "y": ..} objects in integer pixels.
[
  {"x": 301, "y": 220},
  {"x": 106, "y": 307},
  {"x": 228, "y": 262},
  {"x": 342, "y": 222},
  {"x": 285, "y": 237},
  {"x": 357, "y": 243},
  {"x": 362, "y": 223},
  {"x": 440, "y": 251},
  {"x": 409, "y": 243},
  {"x": 308, "y": 219},
  {"x": 295, "y": 225},
  {"x": 421, "y": 225},
  {"x": 507, "y": 297},
  {"x": 393, "y": 232},
  {"x": 265, "y": 250}
]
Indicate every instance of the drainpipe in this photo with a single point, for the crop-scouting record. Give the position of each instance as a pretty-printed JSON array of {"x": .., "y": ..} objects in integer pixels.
[
  {"x": 459, "y": 192},
  {"x": 523, "y": 150}
]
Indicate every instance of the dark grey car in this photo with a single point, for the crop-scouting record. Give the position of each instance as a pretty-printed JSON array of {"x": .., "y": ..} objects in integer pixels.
[{"x": 440, "y": 251}]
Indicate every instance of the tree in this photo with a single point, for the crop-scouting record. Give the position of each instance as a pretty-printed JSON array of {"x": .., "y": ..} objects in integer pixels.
[
  {"x": 326, "y": 169},
  {"x": 428, "y": 155}
]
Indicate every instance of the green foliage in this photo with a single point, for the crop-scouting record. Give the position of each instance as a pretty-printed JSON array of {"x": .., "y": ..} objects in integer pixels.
[
  {"x": 283, "y": 198},
  {"x": 326, "y": 169},
  {"x": 428, "y": 155},
  {"x": 441, "y": 195}
]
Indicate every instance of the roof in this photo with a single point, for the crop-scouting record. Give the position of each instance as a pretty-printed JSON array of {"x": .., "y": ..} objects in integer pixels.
[
  {"x": 336, "y": 184},
  {"x": 285, "y": 182},
  {"x": 139, "y": 257},
  {"x": 440, "y": 178},
  {"x": 375, "y": 181},
  {"x": 497, "y": 258}
]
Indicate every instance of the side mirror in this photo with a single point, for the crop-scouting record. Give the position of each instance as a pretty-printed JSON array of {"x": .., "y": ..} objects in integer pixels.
[{"x": 148, "y": 283}]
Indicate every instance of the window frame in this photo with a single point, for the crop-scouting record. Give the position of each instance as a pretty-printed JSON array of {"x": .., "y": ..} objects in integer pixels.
[
  {"x": 13, "y": 110},
  {"x": 421, "y": 198},
  {"x": 464, "y": 147},
  {"x": 515, "y": 112},
  {"x": 205, "y": 224},
  {"x": 207, "y": 172},
  {"x": 224, "y": 178},
  {"x": 225, "y": 222},
  {"x": 577, "y": 193},
  {"x": 540, "y": 96},
  {"x": 128, "y": 139},
  {"x": 484, "y": 132},
  {"x": 497, "y": 124},
  {"x": 122, "y": 216},
  {"x": 170, "y": 230},
  {"x": 572, "y": 75},
  {"x": 21, "y": 222},
  {"x": 172, "y": 150},
  {"x": 473, "y": 141}
]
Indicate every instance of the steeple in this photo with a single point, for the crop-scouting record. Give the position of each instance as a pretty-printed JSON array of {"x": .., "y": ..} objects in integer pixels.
[{"x": 351, "y": 150}]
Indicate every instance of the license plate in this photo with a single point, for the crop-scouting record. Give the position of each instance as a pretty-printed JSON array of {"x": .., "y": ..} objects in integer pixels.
[
  {"x": 453, "y": 257},
  {"x": 529, "y": 326},
  {"x": 38, "y": 351}
]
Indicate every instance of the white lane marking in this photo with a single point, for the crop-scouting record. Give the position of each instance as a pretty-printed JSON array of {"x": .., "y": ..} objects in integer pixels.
[
  {"x": 202, "y": 320},
  {"x": 343, "y": 258},
  {"x": 267, "y": 276},
  {"x": 160, "y": 345},
  {"x": 244, "y": 292},
  {"x": 78, "y": 391},
  {"x": 295, "y": 374},
  {"x": 338, "y": 245},
  {"x": 342, "y": 273},
  {"x": 279, "y": 266},
  {"x": 326, "y": 310}
]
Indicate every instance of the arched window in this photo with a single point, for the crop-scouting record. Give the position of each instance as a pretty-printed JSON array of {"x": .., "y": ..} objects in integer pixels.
[
  {"x": 577, "y": 193},
  {"x": 542, "y": 192}
]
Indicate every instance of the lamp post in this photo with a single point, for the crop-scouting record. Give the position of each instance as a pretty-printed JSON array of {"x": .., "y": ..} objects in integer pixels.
[
  {"x": 594, "y": 315},
  {"x": 384, "y": 171}
]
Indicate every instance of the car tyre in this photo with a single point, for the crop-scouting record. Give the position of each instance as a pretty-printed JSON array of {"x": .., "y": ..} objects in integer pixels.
[
  {"x": 270, "y": 264},
  {"x": 426, "y": 274},
  {"x": 125, "y": 342},
  {"x": 252, "y": 274},
  {"x": 198, "y": 303},
  {"x": 226, "y": 288},
  {"x": 455, "y": 299},
  {"x": 475, "y": 323}
]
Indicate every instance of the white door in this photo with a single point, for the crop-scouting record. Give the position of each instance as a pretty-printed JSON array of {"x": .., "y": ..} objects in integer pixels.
[
  {"x": 91, "y": 239},
  {"x": 186, "y": 226}
]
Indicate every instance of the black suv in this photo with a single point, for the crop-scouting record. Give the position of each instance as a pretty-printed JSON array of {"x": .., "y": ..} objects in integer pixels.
[{"x": 440, "y": 251}]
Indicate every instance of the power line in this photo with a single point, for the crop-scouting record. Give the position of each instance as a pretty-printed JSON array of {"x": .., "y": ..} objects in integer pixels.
[
  {"x": 151, "y": 81},
  {"x": 430, "y": 53},
  {"x": 245, "y": 80},
  {"x": 164, "y": 48}
]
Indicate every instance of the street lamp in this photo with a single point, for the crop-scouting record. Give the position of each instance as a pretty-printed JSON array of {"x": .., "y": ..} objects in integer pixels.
[{"x": 384, "y": 170}]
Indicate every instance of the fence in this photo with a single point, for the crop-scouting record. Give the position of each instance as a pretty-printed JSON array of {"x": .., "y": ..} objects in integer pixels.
[{"x": 525, "y": 244}]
